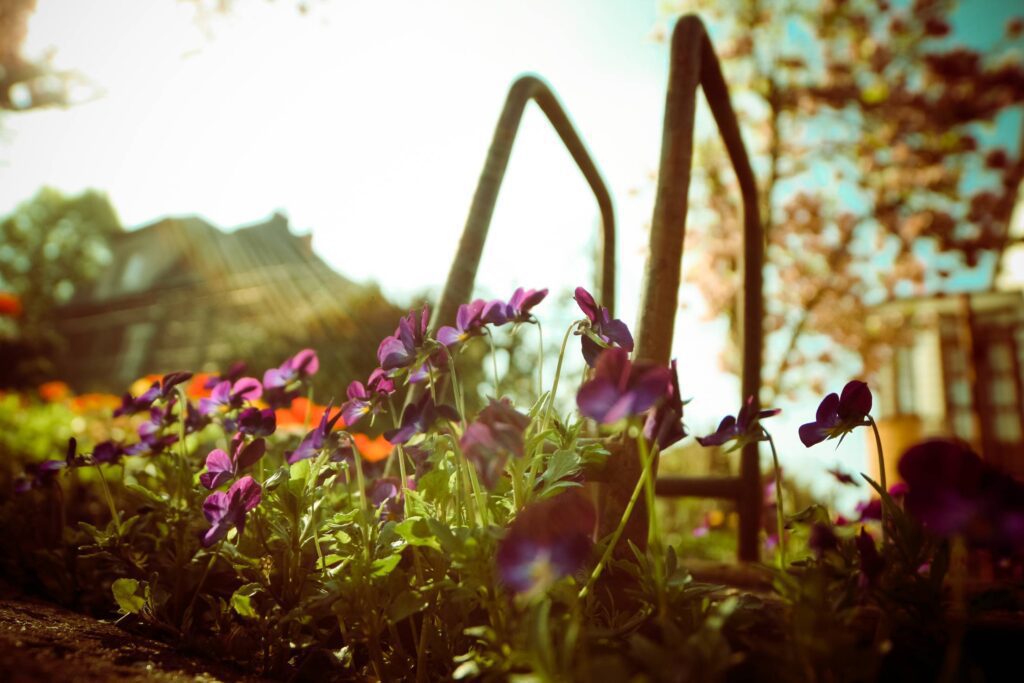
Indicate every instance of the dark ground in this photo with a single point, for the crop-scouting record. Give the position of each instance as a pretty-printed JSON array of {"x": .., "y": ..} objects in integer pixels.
[{"x": 42, "y": 642}]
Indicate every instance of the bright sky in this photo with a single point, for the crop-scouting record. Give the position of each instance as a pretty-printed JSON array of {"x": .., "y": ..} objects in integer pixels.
[{"x": 368, "y": 123}]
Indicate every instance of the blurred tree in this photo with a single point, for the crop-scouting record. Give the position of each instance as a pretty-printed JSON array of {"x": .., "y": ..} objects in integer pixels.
[
  {"x": 49, "y": 246},
  {"x": 867, "y": 123},
  {"x": 24, "y": 83}
]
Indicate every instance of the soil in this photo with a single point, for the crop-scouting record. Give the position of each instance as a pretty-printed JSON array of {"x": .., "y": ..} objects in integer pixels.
[{"x": 42, "y": 642}]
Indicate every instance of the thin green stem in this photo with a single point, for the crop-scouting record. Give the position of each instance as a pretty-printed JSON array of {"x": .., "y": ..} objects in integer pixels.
[
  {"x": 110, "y": 500},
  {"x": 456, "y": 387},
  {"x": 363, "y": 502},
  {"x": 186, "y": 617},
  {"x": 780, "y": 523},
  {"x": 617, "y": 534},
  {"x": 540, "y": 354},
  {"x": 653, "y": 535},
  {"x": 881, "y": 474},
  {"x": 558, "y": 374},
  {"x": 494, "y": 363}
]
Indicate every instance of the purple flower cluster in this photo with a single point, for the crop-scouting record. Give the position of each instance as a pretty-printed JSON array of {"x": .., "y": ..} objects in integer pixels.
[
  {"x": 472, "y": 317},
  {"x": 284, "y": 383},
  {"x": 222, "y": 468}
]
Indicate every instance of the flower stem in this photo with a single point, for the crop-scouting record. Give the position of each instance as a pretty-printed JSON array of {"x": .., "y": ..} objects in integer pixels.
[
  {"x": 617, "y": 534},
  {"x": 363, "y": 503},
  {"x": 780, "y": 524},
  {"x": 881, "y": 474},
  {"x": 653, "y": 535},
  {"x": 540, "y": 354},
  {"x": 494, "y": 363},
  {"x": 110, "y": 500},
  {"x": 558, "y": 373},
  {"x": 186, "y": 617}
]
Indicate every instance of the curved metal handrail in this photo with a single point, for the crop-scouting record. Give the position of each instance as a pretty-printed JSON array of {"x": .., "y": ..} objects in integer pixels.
[
  {"x": 694, "y": 63},
  {"x": 462, "y": 276}
]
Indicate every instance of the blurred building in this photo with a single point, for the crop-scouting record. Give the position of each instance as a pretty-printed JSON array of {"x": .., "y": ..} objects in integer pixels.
[
  {"x": 181, "y": 294},
  {"x": 956, "y": 368}
]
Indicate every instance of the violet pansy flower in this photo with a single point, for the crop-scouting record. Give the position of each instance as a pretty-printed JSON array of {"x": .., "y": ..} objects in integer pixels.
[
  {"x": 255, "y": 422},
  {"x": 546, "y": 541},
  {"x": 316, "y": 439},
  {"x": 222, "y": 468},
  {"x": 231, "y": 395},
  {"x": 603, "y": 331},
  {"x": 952, "y": 491},
  {"x": 281, "y": 384},
  {"x": 401, "y": 349},
  {"x": 838, "y": 415},
  {"x": 470, "y": 321},
  {"x": 163, "y": 388},
  {"x": 518, "y": 309},
  {"x": 742, "y": 429},
  {"x": 621, "y": 388},
  {"x": 496, "y": 434},
  {"x": 664, "y": 423},
  {"x": 42, "y": 474},
  {"x": 224, "y": 510},
  {"x": 364, "y": 399}
]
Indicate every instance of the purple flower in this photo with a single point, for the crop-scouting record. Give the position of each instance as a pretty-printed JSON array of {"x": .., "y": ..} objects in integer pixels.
[
  {"x": 546, "y": 541},
  {"x": 231, "y": 396},
  {"x": 234, "y": 373},
  {"x": 222, "y": 468},
  {"x": 470, "y": 321},
  {"x": 620, "y": 388},
  {"x": 401, "y": 349},
  {"x": 664, "y": 424},
  {"x": 953, "y": 492},
  {"x": 224, "y": 510},
  {"x": 42, "y": 474},
  {"x": 842, "y": 477},
  {"x": 418, "y": 417},
  {"x": 385, "y": 494},
  {"x": 153, "y": 435},
  {"x": 107, "y": 452},
  {"x": 256, "y": 422},
  {"x": 839, "y": 415},
  {"x": 518, "y": 309},
  {"x": 744, "y": 428},
  {"x": 496, "y": 434},
  {"x": 131, "y": 405},
  {"x": 300, "y": 366},
  {"x": 281, "y": 384},
  {"x": 603, "y": 330},
  {"x": 368, "y": 398},
  {"x": 316, "y": 439}
]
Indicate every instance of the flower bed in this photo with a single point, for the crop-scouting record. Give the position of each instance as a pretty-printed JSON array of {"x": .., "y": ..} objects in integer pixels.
[{"x": 241, "y": 518}]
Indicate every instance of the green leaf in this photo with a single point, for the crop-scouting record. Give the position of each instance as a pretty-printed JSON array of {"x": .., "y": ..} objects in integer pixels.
[
  {"x": 416, "y": 531},
  {"x": 384, "y": 566},
  {"x": 125, "y": 593},
  {"x": 146, "y": 494},
  {"x": 406, "y": 605},
  {"x": 241, "y": 600}
]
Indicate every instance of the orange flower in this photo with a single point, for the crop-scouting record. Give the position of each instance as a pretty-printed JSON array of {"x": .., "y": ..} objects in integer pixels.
[
  {"x": 294, "y": 417},
  {"x": 85, "y": 403},
  {"x": 10, "y": 305},
  {"x": 372, "y": 450},
  {"x": 197, "y": 386},
  {"x": 54, "y": 391}
]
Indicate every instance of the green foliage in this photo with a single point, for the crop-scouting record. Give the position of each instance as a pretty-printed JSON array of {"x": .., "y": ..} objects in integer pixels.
[{"x": 50, "y": 246}]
